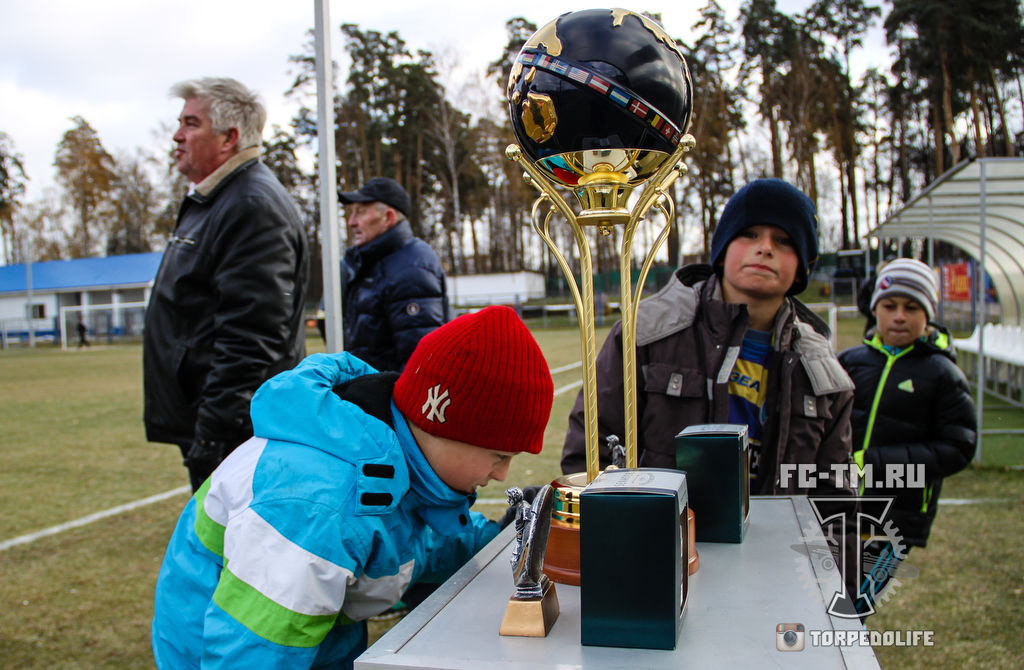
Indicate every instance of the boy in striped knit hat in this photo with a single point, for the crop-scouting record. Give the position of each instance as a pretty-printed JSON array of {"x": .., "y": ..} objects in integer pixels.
[
  {"x": 912, "y": 410},
  {"x": 356, "y": 485}
]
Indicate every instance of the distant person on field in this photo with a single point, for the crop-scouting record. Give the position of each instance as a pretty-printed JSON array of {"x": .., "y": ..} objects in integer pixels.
[
  {"x": 226, "y": 310},
  {"x": 356, "y": 484},
  {"x": 393, "y": 287},
  {"x": 81, "y": 329},
  {"x": 912, "y": 405}
]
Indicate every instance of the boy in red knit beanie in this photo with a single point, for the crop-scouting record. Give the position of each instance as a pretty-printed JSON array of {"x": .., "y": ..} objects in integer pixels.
[{"x": 356, "y": 485}]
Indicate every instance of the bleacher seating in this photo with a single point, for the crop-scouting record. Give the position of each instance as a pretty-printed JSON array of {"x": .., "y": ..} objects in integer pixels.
[{"x": 1003, "y": 358}]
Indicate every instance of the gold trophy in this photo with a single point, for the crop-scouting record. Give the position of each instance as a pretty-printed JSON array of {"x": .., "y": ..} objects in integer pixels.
[{"x": 600, "y": 102}]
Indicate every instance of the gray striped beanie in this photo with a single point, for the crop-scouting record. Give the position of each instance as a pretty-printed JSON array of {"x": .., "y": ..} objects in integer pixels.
[{"x": 910, "y": 279}]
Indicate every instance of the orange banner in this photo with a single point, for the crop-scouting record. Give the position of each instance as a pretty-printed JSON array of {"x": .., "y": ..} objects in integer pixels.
[{"x": 956, "y": 282}]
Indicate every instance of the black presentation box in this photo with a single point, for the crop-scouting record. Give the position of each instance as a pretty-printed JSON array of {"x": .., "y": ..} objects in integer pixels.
[
  {"x": 633, "y": 558},
  {"x": 716, "y": 458}
]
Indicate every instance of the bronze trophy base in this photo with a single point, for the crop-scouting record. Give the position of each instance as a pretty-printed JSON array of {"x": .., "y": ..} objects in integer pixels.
[
  {"x": 562, "y": 561},
  {"x": 533, "y": 617}
]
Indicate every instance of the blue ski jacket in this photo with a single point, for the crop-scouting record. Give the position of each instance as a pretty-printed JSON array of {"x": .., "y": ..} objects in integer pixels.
[{"x": 320, "y": 521}]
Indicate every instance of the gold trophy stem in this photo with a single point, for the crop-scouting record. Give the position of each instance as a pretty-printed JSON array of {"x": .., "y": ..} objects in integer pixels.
[
  {"x": 584, "y": 302},
  {"x": 629, "y": 304},
  {"x": 583, "y": 296}
]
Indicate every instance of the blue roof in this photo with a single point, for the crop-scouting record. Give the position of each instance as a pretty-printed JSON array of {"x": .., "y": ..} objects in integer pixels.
[{"x": 82, "y": 273}]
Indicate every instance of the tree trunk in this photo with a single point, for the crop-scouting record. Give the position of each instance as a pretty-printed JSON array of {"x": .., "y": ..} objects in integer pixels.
[
  {"x": 947, "y": 108},
  {"x": 773, "y": 121},
  {"x": 418, "y": 206},
  {"x": 844, "y": 208},
  {"x": 1001, "y": 108},
  {"x": 812, "y": 187},
  {"x": 851, "y": 176},
  {"x": 939, "y": 142},
  {"x": 979, "y": 144},
  {"x": 877, "y": 190}
]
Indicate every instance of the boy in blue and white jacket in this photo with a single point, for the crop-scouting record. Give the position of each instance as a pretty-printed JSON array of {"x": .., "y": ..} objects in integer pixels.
[{"x": 356, "y": 485}]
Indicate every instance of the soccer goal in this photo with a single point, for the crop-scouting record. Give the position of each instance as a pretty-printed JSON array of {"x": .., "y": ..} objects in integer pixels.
[{"x": 103, "y": 323}]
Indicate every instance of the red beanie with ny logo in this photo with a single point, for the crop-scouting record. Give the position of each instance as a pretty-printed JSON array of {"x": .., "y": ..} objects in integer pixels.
[{"x": 480, "y": 379}]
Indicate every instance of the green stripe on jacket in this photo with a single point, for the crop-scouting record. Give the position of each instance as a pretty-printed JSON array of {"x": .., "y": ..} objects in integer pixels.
[
  {"x": 209, "y": 532},
  {"x": 271, "y": 621}
]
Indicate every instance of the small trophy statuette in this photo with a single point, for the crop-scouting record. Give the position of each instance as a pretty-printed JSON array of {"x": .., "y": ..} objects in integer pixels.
[
  {"x": 618, "y": 452},
  {"x": 533, "y": 607}
]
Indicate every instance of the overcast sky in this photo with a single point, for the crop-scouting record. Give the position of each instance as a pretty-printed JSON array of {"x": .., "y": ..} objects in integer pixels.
[{"x": 112, "y": 61}]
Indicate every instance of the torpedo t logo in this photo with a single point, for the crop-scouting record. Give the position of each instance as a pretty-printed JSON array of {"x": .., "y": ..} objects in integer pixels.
[{"x": 436, "y": 404}]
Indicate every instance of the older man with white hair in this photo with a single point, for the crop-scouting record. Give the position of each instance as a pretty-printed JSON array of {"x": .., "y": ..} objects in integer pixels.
[{"x": 226, "y": 310}]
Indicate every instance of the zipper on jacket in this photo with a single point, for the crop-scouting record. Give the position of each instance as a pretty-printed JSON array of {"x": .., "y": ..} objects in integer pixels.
[
  {"x": 926, "y": 498},
  {"x": 183, "y": 240},
  {"x": 875, "y": 343}
]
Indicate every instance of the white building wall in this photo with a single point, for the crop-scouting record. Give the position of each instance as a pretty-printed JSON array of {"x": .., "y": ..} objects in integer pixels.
[
  {"x": 13, "y": 306},
  {"x": 495, "y": 289}
]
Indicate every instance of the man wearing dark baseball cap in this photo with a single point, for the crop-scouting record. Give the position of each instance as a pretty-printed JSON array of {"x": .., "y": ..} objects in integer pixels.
[{"x": 393, "y": 289}]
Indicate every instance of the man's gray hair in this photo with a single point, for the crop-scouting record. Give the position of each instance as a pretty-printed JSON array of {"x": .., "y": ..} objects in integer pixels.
[
  {"x": 381, "y": 206},
  {"x": 231, "y": 105}
]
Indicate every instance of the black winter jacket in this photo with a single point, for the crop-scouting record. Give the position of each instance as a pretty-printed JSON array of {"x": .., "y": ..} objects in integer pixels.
[
  {"x": 911, "y": 408},
  {"x": 226, "y": 310},
  {"x": 394, "y": 293}
]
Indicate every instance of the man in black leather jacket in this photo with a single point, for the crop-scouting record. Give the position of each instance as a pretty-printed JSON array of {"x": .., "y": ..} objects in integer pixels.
[
  {"x": 226, "y": 309},
  {"x": 393, "y": 283}
]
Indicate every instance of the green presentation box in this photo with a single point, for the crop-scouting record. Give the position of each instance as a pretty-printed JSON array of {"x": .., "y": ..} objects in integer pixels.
[
  {"x": 633, "y": 558},
  {"x": 716, "y": 460}
]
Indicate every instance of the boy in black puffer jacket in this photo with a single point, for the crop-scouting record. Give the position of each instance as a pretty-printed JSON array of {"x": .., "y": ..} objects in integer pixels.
[{"x": 912, "y": 407}]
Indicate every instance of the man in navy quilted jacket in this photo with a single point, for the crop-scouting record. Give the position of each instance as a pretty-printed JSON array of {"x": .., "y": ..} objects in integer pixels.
[{"x": 393, "y": 284}]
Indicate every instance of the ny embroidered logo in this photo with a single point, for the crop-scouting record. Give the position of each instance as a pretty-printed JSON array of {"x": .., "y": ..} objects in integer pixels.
[
  {"x": 907, "y": 386},
  {"x": 436, "y": 404}
]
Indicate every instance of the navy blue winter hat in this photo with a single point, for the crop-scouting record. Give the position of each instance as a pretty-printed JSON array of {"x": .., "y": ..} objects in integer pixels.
[{"x": 771, "y": 202}]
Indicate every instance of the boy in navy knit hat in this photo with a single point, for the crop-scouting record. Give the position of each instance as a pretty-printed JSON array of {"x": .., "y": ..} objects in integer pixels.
[{"x": 728, "y": 343}]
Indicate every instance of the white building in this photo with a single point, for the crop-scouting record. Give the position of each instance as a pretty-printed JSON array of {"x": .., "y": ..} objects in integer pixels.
[
  {"x": 500, "y": 288},
  {"x": 109, "y": 294}
]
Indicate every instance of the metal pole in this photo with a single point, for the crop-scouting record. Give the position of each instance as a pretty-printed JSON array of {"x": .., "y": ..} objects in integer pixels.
[
  {"x": 64, "y": 328},
  {"x": 899, "y": 238},
  {"x": 980, "y": 274},
  {"x": 330, "y": 241},
  {"x": 942, "y": 294},
  {"x": 931, "y": 233},
  {"x": 30, "y": 311}
]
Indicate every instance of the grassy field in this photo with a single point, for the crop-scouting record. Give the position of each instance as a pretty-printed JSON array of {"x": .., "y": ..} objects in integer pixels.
[{"x": 73, "y": 444}]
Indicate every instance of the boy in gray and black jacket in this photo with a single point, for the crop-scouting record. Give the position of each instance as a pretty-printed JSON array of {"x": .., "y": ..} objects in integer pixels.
[{"x": 727, "y": 343}]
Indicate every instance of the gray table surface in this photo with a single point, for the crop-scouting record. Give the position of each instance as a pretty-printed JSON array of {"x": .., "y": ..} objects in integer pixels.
[{"x": 739, "y": 595}]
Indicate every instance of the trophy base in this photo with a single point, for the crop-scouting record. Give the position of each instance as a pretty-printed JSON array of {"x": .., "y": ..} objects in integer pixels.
[
  {"x": 562, "y": 559},
  {"x": 531, "y": 618}
]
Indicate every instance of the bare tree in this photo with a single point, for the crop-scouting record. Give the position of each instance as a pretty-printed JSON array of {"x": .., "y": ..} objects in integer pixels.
[{"x": 85, "y": 171}]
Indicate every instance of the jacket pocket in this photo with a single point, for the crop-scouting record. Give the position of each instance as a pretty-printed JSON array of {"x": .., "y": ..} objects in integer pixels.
[
  {"x": 674, "y": 381},
  {"x": 188, "y": 386}
]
